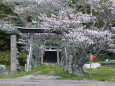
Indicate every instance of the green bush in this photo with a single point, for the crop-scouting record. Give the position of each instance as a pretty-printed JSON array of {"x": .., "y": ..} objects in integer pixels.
[
  {"x": 22, "y": 58},
  {"x": 4, "y": 41},
  {"x": 5, "y": 58}
]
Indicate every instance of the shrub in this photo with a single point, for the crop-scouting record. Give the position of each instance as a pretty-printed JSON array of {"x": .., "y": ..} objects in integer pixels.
[
  {"x": 22, "y": 58},
  {"x": 4, "y": 41},
  {"x": 5, "y": 58}
]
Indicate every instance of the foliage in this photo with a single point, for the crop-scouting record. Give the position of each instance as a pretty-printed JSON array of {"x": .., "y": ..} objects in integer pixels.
[
  {"x": 22, "y": 58},
  {"x": 82, "y": 41},
  {"x": 8, "y": 18},
  {"x": 5, "y": 58},
  {"x": 5, "y": 10},
  {"x": 4, "y": 41}
]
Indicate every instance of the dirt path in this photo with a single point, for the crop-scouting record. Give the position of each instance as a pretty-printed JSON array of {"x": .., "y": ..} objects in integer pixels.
[
  {"x": 36, "y": 82},
  {"x": 44, "y": 80},
  {"x": 40, "y": 77}
]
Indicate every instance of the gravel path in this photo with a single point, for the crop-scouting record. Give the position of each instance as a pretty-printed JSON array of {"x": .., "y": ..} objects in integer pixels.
[
  {"x": 44, "y": 80},
  {"x": 39, "y": 77},
  {"x": 36, "y": 82}
]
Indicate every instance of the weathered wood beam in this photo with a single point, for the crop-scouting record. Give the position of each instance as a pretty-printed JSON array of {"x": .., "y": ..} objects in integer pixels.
[
  {"x": 52, "y": 50},
  {"x": 37, "y": 31},
  {"x": 46, "y": 37}
]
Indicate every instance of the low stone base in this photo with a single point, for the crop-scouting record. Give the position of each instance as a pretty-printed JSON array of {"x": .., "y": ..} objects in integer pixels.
[{"x": 3, "y": 70}]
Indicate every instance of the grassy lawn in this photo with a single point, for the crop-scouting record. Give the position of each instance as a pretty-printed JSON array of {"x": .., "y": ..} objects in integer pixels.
[
  {"x": 19, "y": 74},
  {"x": 102, "y": 62},
  {"x": 106, "y": 73}
]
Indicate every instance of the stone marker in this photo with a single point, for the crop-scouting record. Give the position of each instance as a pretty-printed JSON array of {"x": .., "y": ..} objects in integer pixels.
[
  {"x": 13, "y": 54},
  {"x": 70, "y": 64},
  {"x": 3, "y": 70}
]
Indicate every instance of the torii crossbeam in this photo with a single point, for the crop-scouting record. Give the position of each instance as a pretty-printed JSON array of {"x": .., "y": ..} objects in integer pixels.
[
  {"x": 31, "y": 31},
  {"x": 36, "y": 30}
]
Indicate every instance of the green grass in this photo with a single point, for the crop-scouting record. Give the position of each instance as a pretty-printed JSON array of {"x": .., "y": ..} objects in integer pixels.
[
  {"x": 20, "y": 74},
  {"x": 102, "y": 62},
  {"x": 46, "y": 70},
  {"x": 105, "y": 73},
  {"x": 100, "y": 74}
]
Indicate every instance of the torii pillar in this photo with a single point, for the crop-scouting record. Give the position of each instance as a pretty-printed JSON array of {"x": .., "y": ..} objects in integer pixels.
[
  {"x": 13, "y": 54},
  {"x": 29, "y": 58}
]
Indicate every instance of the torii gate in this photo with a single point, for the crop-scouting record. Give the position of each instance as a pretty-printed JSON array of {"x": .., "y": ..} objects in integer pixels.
[{"x": 31, "y": 31}]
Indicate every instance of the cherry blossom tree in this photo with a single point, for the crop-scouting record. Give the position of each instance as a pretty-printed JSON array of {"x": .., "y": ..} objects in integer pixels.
[
  {"x": 82, "y": 34},
  {"x": 84, "y": 26}
]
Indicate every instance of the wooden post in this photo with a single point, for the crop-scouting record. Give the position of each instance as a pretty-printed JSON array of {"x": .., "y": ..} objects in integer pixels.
[
  {"x": 58, "y": 56},
  {"x": 42, "y": 60},
  {"x": 29, "y": 66},
  {"x": 90, "y": 64},
  {"x": 66, "y": 57},
  {"x": 13, "y": 54},
  {"x": 70, "y": 64},
  {"x": 42, "y": 53}
]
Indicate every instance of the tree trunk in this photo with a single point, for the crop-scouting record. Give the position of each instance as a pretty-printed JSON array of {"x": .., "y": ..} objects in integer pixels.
[{"x": 77, "y": 70}]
